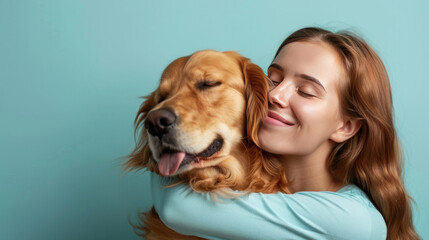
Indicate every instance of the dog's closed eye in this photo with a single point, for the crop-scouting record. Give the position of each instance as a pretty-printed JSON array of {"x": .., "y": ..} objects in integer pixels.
[{"x": 206, "y": 84}]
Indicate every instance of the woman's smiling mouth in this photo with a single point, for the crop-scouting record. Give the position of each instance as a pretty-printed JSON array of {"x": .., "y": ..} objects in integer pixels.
[{"x": 277, "y": 120}]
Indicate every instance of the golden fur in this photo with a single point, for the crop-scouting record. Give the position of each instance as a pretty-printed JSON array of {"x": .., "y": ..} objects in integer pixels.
[{"x": 214, "y": 95}]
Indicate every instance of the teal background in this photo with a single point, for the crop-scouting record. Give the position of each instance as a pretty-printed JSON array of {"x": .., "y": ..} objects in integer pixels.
[{"x": 71, "y": 73}]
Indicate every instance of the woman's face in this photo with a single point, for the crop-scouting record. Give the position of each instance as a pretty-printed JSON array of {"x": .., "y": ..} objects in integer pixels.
[{"x": 304, "y": 110}]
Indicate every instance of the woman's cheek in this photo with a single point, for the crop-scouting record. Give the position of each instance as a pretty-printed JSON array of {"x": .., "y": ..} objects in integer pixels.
[{"x": 306, "y": 112}]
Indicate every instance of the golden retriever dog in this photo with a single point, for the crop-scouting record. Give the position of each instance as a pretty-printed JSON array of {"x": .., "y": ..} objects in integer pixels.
[{"x": 201, "y": 125}]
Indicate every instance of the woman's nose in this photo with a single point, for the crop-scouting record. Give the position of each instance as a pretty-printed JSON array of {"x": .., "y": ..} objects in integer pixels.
[{"x": 279, "y": 95}]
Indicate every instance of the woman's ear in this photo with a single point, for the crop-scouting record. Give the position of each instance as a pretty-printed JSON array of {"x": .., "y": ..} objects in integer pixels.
[{"x": 347, "y": 129}]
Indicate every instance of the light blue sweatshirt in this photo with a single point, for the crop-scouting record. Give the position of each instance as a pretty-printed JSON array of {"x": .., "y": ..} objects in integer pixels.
[{"x": 345, "y": 214}]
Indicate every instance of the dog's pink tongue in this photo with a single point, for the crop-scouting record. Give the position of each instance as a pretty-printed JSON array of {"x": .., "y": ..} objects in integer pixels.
[{"x": 170, "y": 162}]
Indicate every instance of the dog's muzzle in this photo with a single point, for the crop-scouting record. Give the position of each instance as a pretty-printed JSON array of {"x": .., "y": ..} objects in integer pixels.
[{"x": 160, "y": 122}]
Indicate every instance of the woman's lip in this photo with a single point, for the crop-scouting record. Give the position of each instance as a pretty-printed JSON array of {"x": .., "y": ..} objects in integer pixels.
[{"x": 277, "y": 120}]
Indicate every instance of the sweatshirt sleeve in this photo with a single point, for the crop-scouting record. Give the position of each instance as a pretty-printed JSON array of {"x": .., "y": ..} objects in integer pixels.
[{"x": 346, "y": 214}]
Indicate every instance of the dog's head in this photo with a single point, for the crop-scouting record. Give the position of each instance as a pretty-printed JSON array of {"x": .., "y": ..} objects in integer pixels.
[{"x": 205, "y": 106}]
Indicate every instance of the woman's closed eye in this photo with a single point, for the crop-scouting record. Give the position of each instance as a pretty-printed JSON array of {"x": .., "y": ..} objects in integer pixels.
[
  {"x": 274, "y": 83},
  {"x": 307, "y": 92},
  {"x": 275, "y": 77}
]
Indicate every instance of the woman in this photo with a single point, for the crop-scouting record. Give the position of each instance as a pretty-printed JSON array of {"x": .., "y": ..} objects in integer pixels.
[{"x": 330, "y": 123}]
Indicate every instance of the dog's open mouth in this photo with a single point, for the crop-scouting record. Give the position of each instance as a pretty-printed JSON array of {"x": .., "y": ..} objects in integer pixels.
[{"x": 171, "y": 160}]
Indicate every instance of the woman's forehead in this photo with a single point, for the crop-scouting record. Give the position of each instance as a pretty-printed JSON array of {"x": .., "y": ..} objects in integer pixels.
[
  {"x": 314, "y": 58},
  {"x": 310, "y": 52}
]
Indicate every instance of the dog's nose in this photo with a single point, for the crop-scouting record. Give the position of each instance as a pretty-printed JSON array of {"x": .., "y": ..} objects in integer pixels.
[{"x": 160, "y": 121}]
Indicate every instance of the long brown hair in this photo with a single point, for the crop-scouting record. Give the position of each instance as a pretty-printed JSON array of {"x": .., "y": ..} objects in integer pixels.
[{"x": 372, "y": 158}]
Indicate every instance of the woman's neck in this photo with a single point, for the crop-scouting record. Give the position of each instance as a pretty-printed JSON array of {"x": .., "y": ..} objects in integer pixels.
[{"x": 310, "y": 172}]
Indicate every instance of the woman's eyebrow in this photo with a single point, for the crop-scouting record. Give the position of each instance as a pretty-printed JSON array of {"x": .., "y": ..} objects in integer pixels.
[
  {"x": 300, "y": 75},
  {"x": 310, "y": 78},
  {"x": 275, "y": 65}
]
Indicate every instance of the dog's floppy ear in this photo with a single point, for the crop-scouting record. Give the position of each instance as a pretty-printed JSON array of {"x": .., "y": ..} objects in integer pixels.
[
  {"x": 141, "y": 156},
  {"x": 256, "y": 90}
]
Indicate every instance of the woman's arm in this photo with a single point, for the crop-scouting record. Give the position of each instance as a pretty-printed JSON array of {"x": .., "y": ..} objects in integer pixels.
[{"x": 346, "y": 214}]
